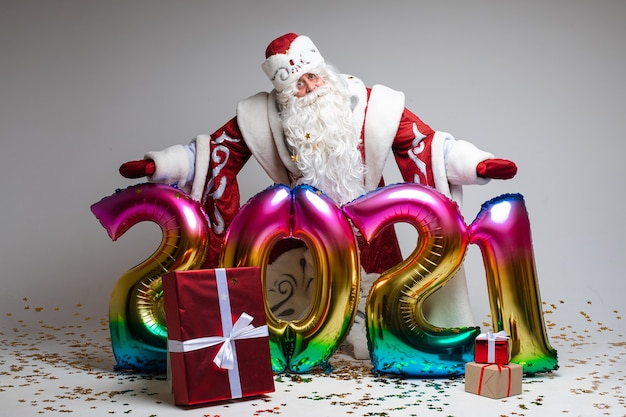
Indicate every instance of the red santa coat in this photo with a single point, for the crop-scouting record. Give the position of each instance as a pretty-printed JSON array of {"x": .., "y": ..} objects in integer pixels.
[{"x": 207, "y": 168}]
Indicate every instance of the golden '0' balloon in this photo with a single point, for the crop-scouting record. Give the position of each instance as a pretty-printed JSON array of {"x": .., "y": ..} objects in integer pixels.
[{"x": 305, "y": 214}]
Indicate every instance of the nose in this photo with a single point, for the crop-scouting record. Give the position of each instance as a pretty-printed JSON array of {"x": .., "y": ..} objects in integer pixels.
[{"x": 309, "y": 85}]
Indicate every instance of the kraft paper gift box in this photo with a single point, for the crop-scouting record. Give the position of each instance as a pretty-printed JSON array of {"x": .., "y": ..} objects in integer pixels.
[
  {"x": 218, "y": 339},
  {"x": 492, "y": 348},
  {"x": 492, "y": 380}
]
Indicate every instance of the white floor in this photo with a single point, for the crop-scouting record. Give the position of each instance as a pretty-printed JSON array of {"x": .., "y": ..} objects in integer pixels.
[{"x": 59, "y": 362}]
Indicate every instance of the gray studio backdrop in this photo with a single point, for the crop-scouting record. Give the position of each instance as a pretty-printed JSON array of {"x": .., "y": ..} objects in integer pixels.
[{"x": 88, "y": 85}]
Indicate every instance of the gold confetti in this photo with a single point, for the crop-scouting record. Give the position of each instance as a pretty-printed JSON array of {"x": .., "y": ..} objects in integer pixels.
[{"x": 62, "y": 362}]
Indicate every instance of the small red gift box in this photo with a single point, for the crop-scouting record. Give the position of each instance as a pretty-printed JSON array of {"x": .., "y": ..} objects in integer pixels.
[
  {"x": 218, "y": 339},
  {"x": 492, "y": 348},
  {"x": 493, "y": 381}
]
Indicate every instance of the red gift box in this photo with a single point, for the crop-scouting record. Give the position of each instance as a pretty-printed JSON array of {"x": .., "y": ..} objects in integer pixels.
[
  {"x": 492, "y": 380},
  {"x": 218, "y": 339},
  {"x": 492, "y": 348}
]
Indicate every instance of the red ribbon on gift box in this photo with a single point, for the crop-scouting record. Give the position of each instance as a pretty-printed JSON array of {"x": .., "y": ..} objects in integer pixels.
[
  {"x": 482, "y": 373},
  {"x": 226, "y": 357}
]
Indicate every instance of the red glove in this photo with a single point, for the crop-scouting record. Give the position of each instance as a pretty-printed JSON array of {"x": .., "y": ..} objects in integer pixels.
[
  {"x": 499, "y": 169},
  {"x": 138, "y": 169}
]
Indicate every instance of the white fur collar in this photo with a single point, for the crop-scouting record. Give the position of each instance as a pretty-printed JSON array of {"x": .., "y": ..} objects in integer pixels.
[
  {"x": 261, "y": 128},
  {"x": 384, "y": 110},
  {"x": 255, "y": 125}
]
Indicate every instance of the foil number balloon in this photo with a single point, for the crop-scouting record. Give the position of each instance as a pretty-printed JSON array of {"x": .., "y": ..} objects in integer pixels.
[
  {"x": 401, "y": 340},
  {"x": 136, "y": 315},
  {"x": 502, "y": 232},
  {"x": 302, "y": 213}
]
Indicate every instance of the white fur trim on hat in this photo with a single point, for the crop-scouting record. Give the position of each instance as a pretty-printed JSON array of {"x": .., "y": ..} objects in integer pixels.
[{"x": 284, "y": 69}]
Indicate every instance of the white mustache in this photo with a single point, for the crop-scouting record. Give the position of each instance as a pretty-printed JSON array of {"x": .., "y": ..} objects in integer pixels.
[{"x": 312, "y": 97}]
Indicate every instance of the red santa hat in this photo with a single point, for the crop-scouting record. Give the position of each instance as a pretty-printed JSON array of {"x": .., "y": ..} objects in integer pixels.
[{"x": 288, "y": 57}]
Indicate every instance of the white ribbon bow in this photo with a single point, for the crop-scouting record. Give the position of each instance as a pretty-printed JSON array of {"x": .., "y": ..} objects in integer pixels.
[{"x": 225, "y": 359}]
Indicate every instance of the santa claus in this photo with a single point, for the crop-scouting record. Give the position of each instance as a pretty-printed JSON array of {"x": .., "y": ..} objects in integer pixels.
[{"x": 327, "y": 130}]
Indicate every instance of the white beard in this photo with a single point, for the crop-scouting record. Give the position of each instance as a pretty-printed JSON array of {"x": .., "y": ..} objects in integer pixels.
[{"x": 319, "y": 131}]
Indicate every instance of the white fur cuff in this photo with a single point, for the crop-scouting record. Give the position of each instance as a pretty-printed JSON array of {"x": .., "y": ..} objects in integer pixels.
[
  {"x": 172, "y": 165},
  {"x": 461, "y": 162}
]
